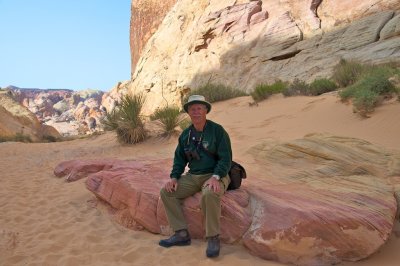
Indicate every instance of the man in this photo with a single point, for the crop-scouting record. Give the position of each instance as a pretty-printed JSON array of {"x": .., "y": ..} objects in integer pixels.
[{"x": 206, "y": 148}]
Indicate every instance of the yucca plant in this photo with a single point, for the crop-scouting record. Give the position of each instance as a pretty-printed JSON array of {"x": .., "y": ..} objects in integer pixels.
[
  {"x": 126, "y": 119},
  {"x": 109, "y": 121},
  {"x": 169, "y": 118}
]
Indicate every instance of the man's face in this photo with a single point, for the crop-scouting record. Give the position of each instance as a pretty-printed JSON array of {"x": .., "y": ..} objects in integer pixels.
[{"x": 197, "y": 113}]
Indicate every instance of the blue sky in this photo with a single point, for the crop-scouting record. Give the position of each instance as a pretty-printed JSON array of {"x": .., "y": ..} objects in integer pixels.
[{"x": 69, "y": 44}]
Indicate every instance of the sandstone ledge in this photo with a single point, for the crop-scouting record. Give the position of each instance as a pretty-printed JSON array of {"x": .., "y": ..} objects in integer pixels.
[{"x": 321, "y": 200}]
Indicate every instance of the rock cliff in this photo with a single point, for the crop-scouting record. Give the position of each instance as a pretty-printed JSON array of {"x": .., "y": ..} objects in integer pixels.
[
  {"x": 244, "y": 43},
  {"x": 146, "y": 16},
  {"x": 67, "y": 110},
  {"x": 17, "y": 119}
]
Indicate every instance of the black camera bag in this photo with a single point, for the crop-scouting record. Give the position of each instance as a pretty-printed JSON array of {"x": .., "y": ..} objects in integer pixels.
[{"x": 236, "y": 173}]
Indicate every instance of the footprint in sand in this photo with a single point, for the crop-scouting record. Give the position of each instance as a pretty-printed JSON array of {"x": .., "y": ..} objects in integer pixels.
[{"x": 311, "y": 105}]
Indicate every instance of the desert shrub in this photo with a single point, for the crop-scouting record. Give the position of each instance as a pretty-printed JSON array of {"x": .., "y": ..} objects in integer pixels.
[
  {"x": 320, "y": 86},
  {"x": 365, "y": 101},
  {"x": 216, "y": 92},
  {"x": 168, "y": 117},
  {"x": 384, "y": 70},
  {"x": 348, "y": 93},
  {"x": 347, "y": 72},
  {"x": 368, "y": 91},
  {"x": 49, "y": 138},
  {"x": 378, "y": 84},
  {"x": 297, "y": 87},
  {"x": 18, "y": 137},
  {"x": 126, "y": 119},
  {"x": 375, "y": 82},
  {"x": 263, "y": 91}
]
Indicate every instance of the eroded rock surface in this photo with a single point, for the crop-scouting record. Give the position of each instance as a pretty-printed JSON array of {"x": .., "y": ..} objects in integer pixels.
[
  {"x": 318, "y": 200},
  {"x": 16, "y": 119},
  {"x": 246, "y": 43}
]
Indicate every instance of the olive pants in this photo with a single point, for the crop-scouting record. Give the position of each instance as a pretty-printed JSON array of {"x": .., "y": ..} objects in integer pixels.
[{"x": 188, "y": 185}]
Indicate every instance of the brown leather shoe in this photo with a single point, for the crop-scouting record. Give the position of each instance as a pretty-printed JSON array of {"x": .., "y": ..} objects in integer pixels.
[
  {"x": 213, "y": 246},
  {"x": 180, "y": 238}
]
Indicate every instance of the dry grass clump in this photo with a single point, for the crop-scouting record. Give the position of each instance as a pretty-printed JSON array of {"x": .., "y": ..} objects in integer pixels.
[
  {"x": 169, "y": 118},
  {"x": 347, "y": 73},
  {"x": 264, "y": 91},
  {"x": 216, "y": 92},
  {"x": 18, "y": 137},
  {"x": 321, "y": 86},
  {"x": 297, "y": 87}
]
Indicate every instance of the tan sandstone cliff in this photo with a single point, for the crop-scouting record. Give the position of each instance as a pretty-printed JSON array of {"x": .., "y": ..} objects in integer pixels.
[
  {"x": 17, "y": 119},
  {"x": 244, "y": 43},
  {"x": 146, "y": 16}
]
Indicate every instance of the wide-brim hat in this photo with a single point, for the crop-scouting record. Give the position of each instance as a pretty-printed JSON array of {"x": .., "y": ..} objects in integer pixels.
[{"x": 197, "y": 99}]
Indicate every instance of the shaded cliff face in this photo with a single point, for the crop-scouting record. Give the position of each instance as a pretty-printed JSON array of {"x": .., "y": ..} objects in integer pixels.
[
  {"x": 146, "y": 16},
  {"x": 245, "y": 43}
]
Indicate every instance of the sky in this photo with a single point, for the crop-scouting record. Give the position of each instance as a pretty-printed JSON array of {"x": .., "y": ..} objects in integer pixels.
[{"x": 64, "y": 44}]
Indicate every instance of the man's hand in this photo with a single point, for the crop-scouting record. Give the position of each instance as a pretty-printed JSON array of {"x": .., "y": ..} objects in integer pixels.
[
  {"x": 213, "y": 184},
  {"x": 171, "y": 185}
]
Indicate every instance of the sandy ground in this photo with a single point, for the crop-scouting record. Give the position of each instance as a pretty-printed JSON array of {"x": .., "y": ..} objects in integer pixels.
[{"x": 46, "y": 221}]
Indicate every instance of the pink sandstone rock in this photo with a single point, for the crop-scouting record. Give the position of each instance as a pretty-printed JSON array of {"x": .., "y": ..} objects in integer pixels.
[{"x": 320, "y": 200}]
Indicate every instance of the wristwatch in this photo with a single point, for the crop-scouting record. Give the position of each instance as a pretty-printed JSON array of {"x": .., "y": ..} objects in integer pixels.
[{"x": 217, "y": 177}]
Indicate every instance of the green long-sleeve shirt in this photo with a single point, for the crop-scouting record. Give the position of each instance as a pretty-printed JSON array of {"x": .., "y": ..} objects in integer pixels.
[{"x": 216, "y": 140}]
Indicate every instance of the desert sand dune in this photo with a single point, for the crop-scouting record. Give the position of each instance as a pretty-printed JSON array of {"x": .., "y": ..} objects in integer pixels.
[{"x": 46, "y": 221}]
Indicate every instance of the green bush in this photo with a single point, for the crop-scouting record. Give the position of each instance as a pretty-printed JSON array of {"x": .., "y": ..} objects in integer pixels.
[
  {"x": 369, "y": 90},
  {"x": 376, "y": 83},
  {"x": 169, "y": 118},
  {"x": 347, "y": 72},
  {"x": 348, "y": 93},
  {"x": 126, "y": 119},
  {"x": 297, "y": 87},
  {"x": 216, "y": 92},
  {"x": 320, "y": 86},
  {"x": 365, "y": 101},
  {"x": 385, "y": 70},
  {"x": 263, "y": 91}
]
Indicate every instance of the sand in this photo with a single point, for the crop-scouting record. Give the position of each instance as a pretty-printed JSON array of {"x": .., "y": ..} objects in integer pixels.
[{"x": 46, "y": 221}]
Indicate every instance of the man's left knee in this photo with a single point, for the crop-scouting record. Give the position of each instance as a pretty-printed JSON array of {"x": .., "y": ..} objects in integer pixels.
[{"x": 209, "y": 193}]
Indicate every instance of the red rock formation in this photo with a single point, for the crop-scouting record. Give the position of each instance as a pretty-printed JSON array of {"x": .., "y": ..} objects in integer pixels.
[
  {"x": 320, "y": 200},
  {"x": 146, "y": 16},
  {"x": 52, "y": 106},
  {"x": 132, "y": 188}
]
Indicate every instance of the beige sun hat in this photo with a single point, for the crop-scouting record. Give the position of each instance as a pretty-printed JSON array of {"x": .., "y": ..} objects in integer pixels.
[{"x": 197, "y": 99}]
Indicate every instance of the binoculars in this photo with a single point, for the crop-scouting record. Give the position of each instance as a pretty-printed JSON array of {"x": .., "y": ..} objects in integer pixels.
[{"x": 192, "y": 155}]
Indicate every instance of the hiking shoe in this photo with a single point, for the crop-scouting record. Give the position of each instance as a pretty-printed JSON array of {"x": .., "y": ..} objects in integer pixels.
[
  {"x": 180, "y": 238},
  {"x": 213, "y": 247}
]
